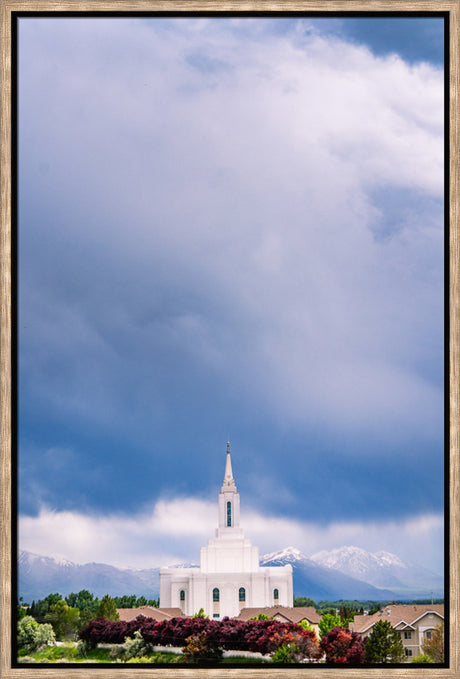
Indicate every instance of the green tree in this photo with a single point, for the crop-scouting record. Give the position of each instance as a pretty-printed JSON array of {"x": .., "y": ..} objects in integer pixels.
[
  {"x": 107, "y": 609},
  {"x": 329, "y": 621},
  {"x": 64, "y": 620},
  {"x": 434, "y": 647},
  {"x": 304, "y": 601},
  {"x": 347, "y": 614},
  {"x": 125, "y": 601},
  {"x": 83, "y": 599},
  {"x": 384, "y": 644},
  {"x": 85, "y": 618},
  {"x": 21, "y": 609},
  {"x": 375, "y": 609},
  {"x": 39, "y": 609}
]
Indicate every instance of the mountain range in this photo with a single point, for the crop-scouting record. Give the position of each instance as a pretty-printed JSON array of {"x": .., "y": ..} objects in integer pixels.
[
  {"x": 354, "y": 573},
  {"x": 39, "y": 576},
  {"x": 344, "y": 573}
]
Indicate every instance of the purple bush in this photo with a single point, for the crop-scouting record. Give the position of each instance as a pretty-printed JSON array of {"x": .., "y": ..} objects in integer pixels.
[{"x": 253, "y": 635}]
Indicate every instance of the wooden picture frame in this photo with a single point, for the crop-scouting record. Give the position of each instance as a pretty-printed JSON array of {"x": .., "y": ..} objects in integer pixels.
[{"x": 452, "y": 7}]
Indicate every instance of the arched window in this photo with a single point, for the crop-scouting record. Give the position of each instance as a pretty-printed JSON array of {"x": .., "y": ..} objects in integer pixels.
[
  {"x": 229, "y": 513},
  {"x": 182, "y": 595},
  {"x": 276, "y": 594},
  {"x": 215, "y": 594},
  {"x": 242, "y": 594}
]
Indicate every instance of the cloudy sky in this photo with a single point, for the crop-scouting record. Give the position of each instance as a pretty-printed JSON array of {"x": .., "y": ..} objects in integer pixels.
[{"x": 230, "y": 227}]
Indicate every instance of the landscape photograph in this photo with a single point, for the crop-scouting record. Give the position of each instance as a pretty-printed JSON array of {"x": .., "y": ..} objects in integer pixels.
[{"x": 232, "y": 244}]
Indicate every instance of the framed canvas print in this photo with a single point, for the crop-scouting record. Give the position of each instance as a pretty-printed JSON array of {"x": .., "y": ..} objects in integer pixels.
[{"x": 229, "y": 339}]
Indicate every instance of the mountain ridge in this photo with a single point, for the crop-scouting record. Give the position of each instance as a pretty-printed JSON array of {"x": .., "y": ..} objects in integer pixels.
[{"x": 343, "y": 573}]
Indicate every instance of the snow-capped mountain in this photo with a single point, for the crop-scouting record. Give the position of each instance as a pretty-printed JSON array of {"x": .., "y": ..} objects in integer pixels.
[
  {"x": 344, "y": 573},
  {"x": 358, "y": 562},
  {"x": 288, "y": 555},
  {"x": 39, "y": 576},
  {"x": 315, "y": 581},
  {"x": 381, "y": 569}
]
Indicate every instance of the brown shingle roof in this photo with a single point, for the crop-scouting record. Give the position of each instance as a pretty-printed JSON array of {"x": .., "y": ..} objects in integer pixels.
[
  {"x": 295, "y": 614},
  {"x": 157, "y": 614},
  {"x": 173, "y": 612},
  {"x": 395, "y": 614}
]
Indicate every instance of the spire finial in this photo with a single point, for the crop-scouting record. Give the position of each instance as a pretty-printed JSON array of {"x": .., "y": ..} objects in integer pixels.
[{"x": 229, "y": 483}]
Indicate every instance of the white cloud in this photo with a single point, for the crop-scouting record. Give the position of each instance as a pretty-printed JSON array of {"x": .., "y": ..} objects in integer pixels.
[{"x": 174, "y": 530}]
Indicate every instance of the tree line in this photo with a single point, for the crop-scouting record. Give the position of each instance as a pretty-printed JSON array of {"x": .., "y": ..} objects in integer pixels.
[{"x": 68, "y": 615}]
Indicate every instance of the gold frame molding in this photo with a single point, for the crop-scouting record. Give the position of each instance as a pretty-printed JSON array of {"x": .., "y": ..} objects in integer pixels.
[{"x": 9, "y": 6}]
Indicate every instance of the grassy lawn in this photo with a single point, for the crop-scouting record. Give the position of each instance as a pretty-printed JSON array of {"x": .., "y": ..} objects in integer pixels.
[
  {"x": 65, "y": 653},
  {"x": 68, "y": 653}
]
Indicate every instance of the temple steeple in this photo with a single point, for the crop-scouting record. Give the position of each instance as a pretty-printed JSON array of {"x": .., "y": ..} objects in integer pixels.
[
  {"x": 228, "y": 485},
  {"x": 229, "y": 503}
]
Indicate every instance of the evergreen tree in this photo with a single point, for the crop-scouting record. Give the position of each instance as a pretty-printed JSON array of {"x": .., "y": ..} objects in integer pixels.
[
  {"x": 107, "y": 609},
  {"x": 384, "y": 644},
  {"x": 39, "y": 609},
  {"x": 85, "y": 618}
]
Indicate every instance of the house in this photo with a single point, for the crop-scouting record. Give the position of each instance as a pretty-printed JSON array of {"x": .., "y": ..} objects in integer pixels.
[
  {"x": 285, "y": 614},
  {"x": 157, "y": 614},
  {"x": 415, "y": 622},
  {"x": 229, "y": 577}
]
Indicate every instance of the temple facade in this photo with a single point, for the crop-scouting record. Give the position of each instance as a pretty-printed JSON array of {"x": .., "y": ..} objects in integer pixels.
[{"x": 229, "y": 577}]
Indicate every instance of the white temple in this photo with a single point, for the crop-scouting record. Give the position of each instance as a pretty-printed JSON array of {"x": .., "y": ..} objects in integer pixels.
[{"x": 229, "y": 577}]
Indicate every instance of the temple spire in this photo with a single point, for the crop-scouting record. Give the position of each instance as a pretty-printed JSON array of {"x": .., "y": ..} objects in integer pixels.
[{"x": 229, "y": 482}]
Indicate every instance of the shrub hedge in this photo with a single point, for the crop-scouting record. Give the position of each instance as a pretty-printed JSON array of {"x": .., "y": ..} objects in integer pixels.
[{"x": 229, "y": 634}]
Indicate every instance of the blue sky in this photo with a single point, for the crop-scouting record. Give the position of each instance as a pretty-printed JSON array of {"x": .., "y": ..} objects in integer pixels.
[{"x": 230, "y": 227}]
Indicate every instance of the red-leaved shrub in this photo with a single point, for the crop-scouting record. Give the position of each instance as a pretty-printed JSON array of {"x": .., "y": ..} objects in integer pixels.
[
  {"x": 262, "y": 636},
  {"x": 343, "y": 646}
]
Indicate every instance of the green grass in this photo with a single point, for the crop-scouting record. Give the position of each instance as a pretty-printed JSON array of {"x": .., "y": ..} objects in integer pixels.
[{"x": 67, "y": 653}]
